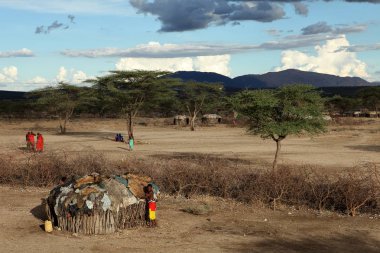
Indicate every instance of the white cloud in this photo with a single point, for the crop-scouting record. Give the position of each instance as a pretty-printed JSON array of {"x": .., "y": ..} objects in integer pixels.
[
  {"x": 23, "y": 52},
  {"x": 62, "y": 74},
  {"x": 38, "y": 80},
  {"x": 70, "y": 6},
  {"x": 218, "y": 64},
  {"x": 156, "y": 50},
  {"x": 71, "y": 76},
  {"x": 329, "y": 59},
  {"x": 78, "y": 77},
  {"x": 8, "y": 74}
]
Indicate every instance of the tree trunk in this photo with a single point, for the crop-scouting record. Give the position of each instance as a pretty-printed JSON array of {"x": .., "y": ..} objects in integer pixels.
[
  {"x": 278, "y": 150},
  {"x": 192, "y": 123},
  {"x": 130, "y": 124},
  {"x": 62, "y": 126}
]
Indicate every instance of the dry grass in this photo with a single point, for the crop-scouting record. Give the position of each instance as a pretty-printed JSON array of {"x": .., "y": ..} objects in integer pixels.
[{"x": 349, "y": 192}]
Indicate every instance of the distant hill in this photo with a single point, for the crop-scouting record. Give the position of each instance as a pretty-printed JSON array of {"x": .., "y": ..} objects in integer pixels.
[
  {"x": 11, "y": 95},
  {"x": 274, "y": 79},
  {"x": 209, "y": 77}
]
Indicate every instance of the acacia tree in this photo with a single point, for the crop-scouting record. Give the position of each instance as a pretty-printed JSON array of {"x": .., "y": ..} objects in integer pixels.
[
  {"x": 130, "y": 91},
  {"x": 196, "y": 97},
  {"x": 60, "y": 101},
  {"x": 275, "y": 114},
  {"x": 370, "y": 97}
]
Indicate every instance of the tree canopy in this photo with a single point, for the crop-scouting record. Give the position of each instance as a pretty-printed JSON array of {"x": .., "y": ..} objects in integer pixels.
[
  {"x": 198, "y": 98},
  {"x": 130, "y": 91},
  {"x": 275, "y": 114},
  {"x": 59, "y": 101}
]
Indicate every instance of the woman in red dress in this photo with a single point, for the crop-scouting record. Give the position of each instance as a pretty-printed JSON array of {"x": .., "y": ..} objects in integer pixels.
[{"x": 40, "y": 143}]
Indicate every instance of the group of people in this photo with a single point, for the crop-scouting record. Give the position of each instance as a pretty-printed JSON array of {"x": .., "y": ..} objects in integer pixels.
[
  {"x": 34, "y": 145},
  {"x": 131, "y": 142}
]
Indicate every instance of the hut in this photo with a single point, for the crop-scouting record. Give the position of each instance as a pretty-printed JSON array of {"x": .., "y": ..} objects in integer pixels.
[
  {"x": 371, "y": 114},
  {"x": 96, "y": 204},
  {"x": 211, "y": 119},
  {"x": 181, "y": 120}
]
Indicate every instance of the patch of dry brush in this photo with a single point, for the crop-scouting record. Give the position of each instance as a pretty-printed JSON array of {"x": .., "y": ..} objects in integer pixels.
[{"x": 351, "y": 191}]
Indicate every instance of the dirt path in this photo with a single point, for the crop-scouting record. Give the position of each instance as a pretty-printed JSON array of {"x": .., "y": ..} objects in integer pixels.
[
  {"x": 340, "y": 147},
  {"x": 228, "y": 228}
]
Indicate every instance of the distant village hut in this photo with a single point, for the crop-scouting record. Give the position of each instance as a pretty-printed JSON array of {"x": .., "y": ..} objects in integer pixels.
[
  {"x": 371, "y": 114},
  {"x": 181, "y": 120},
  {"x": 211, "y": 119},
  {"x": 98, "y": 204}
]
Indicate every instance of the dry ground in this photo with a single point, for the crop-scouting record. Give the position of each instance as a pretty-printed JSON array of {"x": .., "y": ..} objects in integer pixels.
[
  {"x": 229, "y": 227},
  {"x": 342, "y": 146}
]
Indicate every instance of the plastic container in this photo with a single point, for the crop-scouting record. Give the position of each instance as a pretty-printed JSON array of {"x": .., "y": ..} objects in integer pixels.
[{"x": 48, "y": 226}]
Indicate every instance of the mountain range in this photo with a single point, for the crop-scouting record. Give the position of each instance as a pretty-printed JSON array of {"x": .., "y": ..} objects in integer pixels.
[
  {"x": 330, "y": 84},
  {"x": 273, "y": 79}
]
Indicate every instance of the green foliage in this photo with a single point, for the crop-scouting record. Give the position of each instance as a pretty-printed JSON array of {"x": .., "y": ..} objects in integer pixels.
[
  {"x": 342, "y": 104},
  {"x": 59, "y": 101},
  {"x": 370, "y": 98},
  {"x": 275, "y": 114},
  {"x": 129, "y": 92}
]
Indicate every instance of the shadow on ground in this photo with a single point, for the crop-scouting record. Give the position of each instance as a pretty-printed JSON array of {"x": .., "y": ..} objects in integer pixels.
[
  {"x": 372, "y": 148},
  {"x": 39, "y": 212},
  {"x": 198, "y": 156},
  {"x": 358, "y": 242}
]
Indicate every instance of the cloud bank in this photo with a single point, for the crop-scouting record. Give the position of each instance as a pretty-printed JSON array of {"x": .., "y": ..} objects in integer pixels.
[
  {"x": 326, "y": 60},
  {"x": 24, "y": 52},
  {"x": 218, "y": 64},
  {"x": 8, "y": 74}
]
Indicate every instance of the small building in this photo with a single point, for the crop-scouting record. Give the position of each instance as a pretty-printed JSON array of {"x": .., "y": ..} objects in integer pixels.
[
  {"x": 211, "y": 119},
  {"x": 371, "y": 114},
  {"x": 181, "y": 120}
]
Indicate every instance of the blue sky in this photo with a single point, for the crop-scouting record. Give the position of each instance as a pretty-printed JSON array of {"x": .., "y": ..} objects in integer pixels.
[{"x": 47, "y": 41}]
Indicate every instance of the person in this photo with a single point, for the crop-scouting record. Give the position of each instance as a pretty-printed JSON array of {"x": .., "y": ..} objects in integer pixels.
[
  {"x": 131, "y": 142},
  {"x": 40, "y": 143},
  {"x": 151, "y": 206},
  {"x": 31, "y": 141},
  {"x": 27, "y": 140}
]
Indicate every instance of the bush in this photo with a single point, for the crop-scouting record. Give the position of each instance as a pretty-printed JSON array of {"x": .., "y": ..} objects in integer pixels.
[{"x": 348, "y": 192}]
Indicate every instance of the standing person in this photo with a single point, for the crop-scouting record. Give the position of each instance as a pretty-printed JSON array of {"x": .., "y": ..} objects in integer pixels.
[
  {"x": 40, "y": 143},
  {"x": 31, "y": 141},
  {"x": 131, "y": 142},
  {"x": 151, "y": 206},
  {"x": 27, "y": 140}
]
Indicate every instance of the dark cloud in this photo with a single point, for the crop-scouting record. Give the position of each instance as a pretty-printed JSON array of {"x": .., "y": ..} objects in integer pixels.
[
  {"x": 54, "y": 26},
  {"x": 301, "y": 8},
  {"x": 323, "y": 27},
  {"x": 320, "y": 27},
  {"x": 361, "y": 48},
  {"x": 71, "y": 18},
  {"x": 296, "y": 41},
  {"x": 186, "y": 15}
]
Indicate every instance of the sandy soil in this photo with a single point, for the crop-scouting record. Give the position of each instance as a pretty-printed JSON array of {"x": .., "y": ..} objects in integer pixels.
[
  {"x": 229, "y": 227},
  {"x": 344, "y": 146}
]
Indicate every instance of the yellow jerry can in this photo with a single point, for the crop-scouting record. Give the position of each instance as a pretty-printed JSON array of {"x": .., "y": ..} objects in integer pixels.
[{"x": 48, "y": 226}]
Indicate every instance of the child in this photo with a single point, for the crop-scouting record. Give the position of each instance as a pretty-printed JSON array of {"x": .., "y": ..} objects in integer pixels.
[{"x": 151, "y": 206}]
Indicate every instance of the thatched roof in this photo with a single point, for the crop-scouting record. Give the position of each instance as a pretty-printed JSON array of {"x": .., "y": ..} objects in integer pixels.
[
  {"x": 211, "y": 116},
  {"x": 181, "y": 117}
]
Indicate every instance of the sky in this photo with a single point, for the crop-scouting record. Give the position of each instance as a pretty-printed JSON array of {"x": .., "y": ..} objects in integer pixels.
[{"x": 44, "y": 42}]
